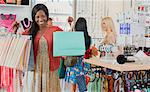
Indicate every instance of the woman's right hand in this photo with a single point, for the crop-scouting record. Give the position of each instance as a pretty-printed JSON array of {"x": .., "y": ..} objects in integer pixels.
[{"x": 15, "y": 26}]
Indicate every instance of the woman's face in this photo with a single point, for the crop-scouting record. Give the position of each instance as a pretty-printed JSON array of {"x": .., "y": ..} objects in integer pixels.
[
  {"x": 41, "y": 18},
  {"x": 104, "y": 25}
]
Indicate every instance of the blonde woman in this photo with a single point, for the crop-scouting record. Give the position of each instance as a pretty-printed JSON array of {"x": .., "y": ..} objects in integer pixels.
[
  {"x": 108, "y": 27},
  {"x": 106, "y": 49}
]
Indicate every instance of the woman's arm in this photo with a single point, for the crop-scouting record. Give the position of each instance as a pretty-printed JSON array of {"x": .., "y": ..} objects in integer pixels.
[{"x": 15, "y": 27}]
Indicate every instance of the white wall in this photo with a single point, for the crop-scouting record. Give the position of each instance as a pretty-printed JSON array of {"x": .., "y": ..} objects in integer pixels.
[
  {"x": 92, "y": 10},
  {"x": 22, "y": 11},
  {"x": 114, "y": 8},
  {"x": 59, "y": 11},
  {"x": 95, "y": 10}
]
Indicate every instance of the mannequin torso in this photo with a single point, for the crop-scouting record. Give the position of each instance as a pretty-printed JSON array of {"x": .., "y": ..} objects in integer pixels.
[{"x": 26, "y": 23}]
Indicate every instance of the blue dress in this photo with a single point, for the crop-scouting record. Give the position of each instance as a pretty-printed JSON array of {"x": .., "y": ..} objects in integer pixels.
[{"x": 80, "y": 68}]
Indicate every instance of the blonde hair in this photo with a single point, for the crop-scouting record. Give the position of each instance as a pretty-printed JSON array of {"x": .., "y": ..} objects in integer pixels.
[{"x": 109, "y": 22}]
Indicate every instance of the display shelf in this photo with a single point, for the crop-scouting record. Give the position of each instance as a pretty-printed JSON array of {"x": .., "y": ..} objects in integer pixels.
[
  {"x": 118, "y": 67},
  {"x": 59, "y": 13},
  {"x": 13, "y": 5}
]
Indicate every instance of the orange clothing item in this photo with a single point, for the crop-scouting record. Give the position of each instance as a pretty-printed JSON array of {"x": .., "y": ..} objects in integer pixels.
[{"x": 48, "y": 34}]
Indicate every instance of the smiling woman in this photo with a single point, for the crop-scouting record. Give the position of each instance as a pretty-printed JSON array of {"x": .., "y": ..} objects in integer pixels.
[
  {"x": 46, "y": 66},
  {"x": 108, "y": 27}
]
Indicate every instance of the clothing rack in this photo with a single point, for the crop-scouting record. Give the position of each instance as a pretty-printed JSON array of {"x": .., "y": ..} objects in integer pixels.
[
  {"x": 14, "y": 57},
  {"x": 111, "y": 77}
]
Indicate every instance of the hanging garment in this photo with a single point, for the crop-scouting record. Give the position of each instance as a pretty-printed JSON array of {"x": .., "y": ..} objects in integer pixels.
[
  {"x": 6, "y": 21},
  {"x": 89, "y": 86},
  {"x": 118, "y": 85},
  {"x": 97, "y": 85},
  {"x": 2, "y": 2},
  {"x": 127, "y": 82},
  {"x": 81, "y": 83},
  {"x": 110, "y": 81},
  {"x": 105, "y": 85},
  {"x": 31, "y": 60},
  {"x": 76, "y": 70},
  {"x": 13, "y": 62},
  {"x": 75, "y": 74},
  {"x": 28, "y": 81},
  {"x": 6, "y": 79}
]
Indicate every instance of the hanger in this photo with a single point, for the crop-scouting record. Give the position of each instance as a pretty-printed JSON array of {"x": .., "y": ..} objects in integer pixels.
[
  {"x": 96, "y": 71},
  {"x": 99, "y": 71},
  {"x": 7, "y": 17},
  {"x": 143, "y": 79},
  {"x": 127, "y": 81},
  {"x": 94, "y": 78},
  {"x": 135, "y": 83}
]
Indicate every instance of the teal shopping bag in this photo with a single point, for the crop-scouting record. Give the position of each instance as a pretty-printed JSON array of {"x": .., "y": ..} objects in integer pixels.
[{"x": 68, "y": 44}]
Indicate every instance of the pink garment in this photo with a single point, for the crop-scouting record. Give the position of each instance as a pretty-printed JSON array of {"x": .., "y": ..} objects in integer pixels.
[
  {"x": 6, "y": 21},
  {"x": 2, "y": 2},
  {"x": 6, "y": 78}
]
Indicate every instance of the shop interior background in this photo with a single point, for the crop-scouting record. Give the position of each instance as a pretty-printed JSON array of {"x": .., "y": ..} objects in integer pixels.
[{"x": 131, "y": 17}]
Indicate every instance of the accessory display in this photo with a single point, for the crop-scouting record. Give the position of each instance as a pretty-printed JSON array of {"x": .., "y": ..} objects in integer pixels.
[
  {"x": 26, "y": 23},
  {"x": 6, "y": 21}
]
